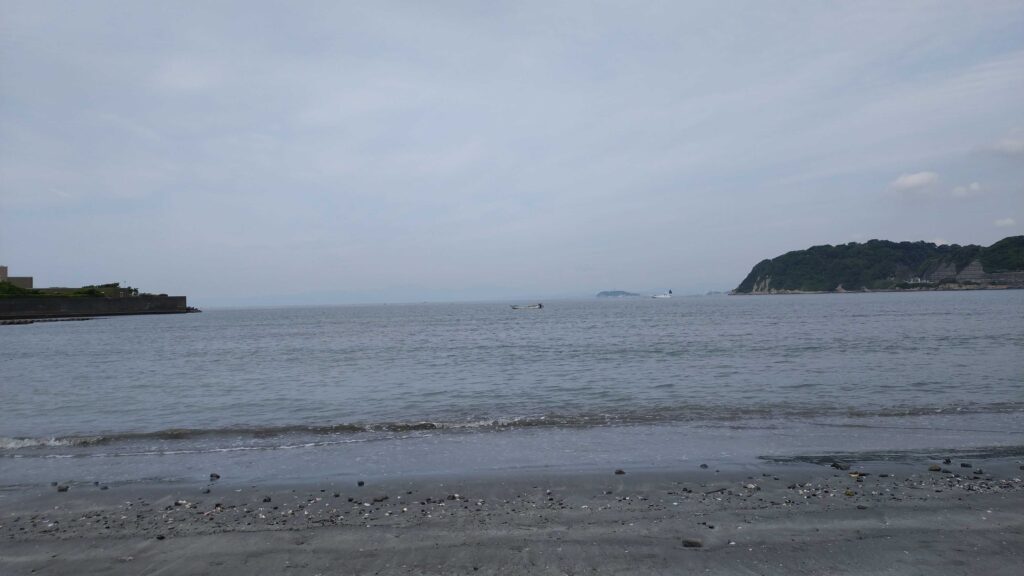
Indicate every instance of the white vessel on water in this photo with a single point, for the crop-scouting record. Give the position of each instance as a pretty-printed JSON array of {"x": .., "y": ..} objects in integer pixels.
[
  {"x": 665, "y": 295},
  {"x": 537, "y": 306}
]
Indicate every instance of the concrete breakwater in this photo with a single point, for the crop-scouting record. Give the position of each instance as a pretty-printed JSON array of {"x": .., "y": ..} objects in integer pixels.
[{"x": 72, "y": 307}]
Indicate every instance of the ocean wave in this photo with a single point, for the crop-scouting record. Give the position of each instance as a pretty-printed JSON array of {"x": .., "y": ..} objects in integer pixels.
[
  {"x": 51, "y": 442},
  {"x": 710, "y": 415}
]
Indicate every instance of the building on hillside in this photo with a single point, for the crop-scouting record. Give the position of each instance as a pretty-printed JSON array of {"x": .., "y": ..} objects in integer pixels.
[{"x": 19, "y": 281}]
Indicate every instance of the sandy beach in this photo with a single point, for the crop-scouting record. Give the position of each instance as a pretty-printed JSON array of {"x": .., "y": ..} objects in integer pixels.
[{"x": 770, "y": 518}]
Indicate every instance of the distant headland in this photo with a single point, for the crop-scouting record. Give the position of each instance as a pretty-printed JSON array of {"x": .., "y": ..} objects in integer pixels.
[
  {"x": 617, "y": 294},
  {"x": 21, "y": 302},
  {"x": 881, "y": 265}
]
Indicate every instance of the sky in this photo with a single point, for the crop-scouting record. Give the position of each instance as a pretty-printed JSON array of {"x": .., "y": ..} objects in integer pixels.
[{"x": 269, "y": 153}]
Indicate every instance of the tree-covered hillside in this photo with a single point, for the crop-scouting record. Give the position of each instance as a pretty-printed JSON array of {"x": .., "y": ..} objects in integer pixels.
[
  {"x": 877, "y": 265},
  {"x": 1004, "y": 256}
]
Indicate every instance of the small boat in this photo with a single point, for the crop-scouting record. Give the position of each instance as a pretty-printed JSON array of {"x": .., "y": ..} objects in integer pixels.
[
  {"x": 536, "y": 306},
  {"x": 665, "y": 295}
]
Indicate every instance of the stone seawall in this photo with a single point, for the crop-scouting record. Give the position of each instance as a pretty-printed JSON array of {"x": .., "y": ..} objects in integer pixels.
[{"x": 59, "y": 307}]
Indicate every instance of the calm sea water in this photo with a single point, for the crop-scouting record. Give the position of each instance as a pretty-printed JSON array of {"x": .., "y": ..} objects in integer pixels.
[{"x": 398, "y": 388}]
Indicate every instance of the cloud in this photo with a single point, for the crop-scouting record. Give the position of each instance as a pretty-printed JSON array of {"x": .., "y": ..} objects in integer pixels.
[
  {"x": 1009, "y": 147},
  {"x": 972, "y": 189},
  {"x": 914, "y": 181},
  {"x": 1005, "y": 223}
]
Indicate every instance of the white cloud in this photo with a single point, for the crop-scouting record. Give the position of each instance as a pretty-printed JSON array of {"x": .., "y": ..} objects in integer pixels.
[
  {"x": 1009, "y": 147},
  {"x": 1005, "y": 223},
  {"x": 914, "y": 181},
  {"x": 972, "y": 189}
]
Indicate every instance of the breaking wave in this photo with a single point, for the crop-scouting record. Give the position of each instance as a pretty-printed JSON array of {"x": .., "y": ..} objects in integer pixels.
[{"x": 706, "y": 415}]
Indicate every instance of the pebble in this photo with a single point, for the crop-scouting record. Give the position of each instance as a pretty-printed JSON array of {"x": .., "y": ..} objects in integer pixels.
[
  {"x": 620, "y": 471},
  {"x": 935, "y": 468},
  {"x": 965, "y": 465},
  {"x": 690, "y": 543},
  {"x": 840, "y": 465},
  {"x": 360, "y": 483},
  {"x": 214, "y": 476},
  {"x": 705, "y": 466},
  {"x": 62, "y": 488}
]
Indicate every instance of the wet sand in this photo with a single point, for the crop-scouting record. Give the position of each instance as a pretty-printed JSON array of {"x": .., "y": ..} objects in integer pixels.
[{"x": 796, "y": 518}]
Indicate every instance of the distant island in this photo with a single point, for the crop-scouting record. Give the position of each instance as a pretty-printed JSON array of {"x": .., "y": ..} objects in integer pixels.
[
  {"x": 617, "y": 294},
  {"x": 881, "y": 265}
]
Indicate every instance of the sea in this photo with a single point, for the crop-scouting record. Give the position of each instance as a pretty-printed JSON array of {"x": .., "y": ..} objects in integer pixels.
[{"x": 304, "y": 393}]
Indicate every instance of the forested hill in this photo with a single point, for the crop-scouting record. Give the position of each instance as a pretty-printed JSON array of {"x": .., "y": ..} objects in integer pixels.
[{"x": 885, "y": 265}]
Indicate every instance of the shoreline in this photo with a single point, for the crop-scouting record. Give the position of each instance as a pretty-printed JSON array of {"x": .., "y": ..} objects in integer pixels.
[
  {"x": 877, "y": 516},
  {"x": 958, "y": 288}
]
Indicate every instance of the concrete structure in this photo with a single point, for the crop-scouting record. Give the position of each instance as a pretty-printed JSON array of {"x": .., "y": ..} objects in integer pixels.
[
  {"x": 19, "y": 281},
  {"x": 71, "y": 307}
]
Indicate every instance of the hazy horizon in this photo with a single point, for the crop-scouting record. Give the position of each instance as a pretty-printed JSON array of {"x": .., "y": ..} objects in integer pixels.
[{"x": 317, "y": 153}]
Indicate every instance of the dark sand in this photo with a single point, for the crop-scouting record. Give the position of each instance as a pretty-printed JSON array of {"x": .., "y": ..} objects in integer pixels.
[{"x": 796, "y": 518}]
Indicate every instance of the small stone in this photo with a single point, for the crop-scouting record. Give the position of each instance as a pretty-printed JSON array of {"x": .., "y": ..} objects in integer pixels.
[
  {"x": 360, "y": 483},
  {"x": 850, "y": 493},
  {"x": 62, "y": 488},
  {"x": 104, "y": 487},
  {"x": 214, "y": 476},
  {"x": 861, "y": 507},
  {"x": 266, "y": 498},
  {"x": 840, "y": 465},
  {"x": 54, "y": 483},
  {"x": 206, "y": 490},
  {"x": 620, "y": 471},
  {"x": 947, "y": 461},
  {"x": 705, "y": 466},
  {"x": 337, "y": 495},
  {"x": 690, "y": 543},
  {"x": 965, "y": 465},
  {"x": 160, "y": 536},
  {"x": 935, "y": 468}
]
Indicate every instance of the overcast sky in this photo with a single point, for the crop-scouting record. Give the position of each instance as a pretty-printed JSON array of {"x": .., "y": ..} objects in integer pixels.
[{"x": 262, "y": 152}]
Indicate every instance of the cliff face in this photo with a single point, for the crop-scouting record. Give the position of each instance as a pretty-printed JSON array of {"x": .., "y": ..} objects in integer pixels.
[{"x": 884, "y": 265}]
